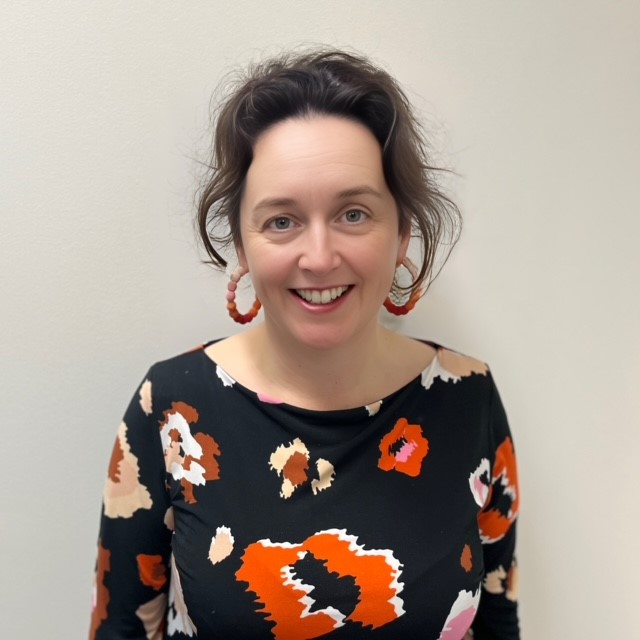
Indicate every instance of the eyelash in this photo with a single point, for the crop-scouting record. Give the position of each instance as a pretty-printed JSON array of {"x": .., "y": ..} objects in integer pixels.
[
  {"x": 272, "y": 224},
  {"x": 362, "y": 216}
]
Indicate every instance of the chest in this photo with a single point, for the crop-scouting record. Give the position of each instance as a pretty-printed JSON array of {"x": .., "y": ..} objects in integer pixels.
[{"x": 297, "y": 535}]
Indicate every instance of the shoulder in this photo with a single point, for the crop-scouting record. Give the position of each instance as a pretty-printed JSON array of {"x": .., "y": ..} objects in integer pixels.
[
  {"x": 459, "y": 364},
  {"x": 452, "y": 366},
  {"x": 175, "y": 363},
  {"x": 476, "y": 383},
  {"x": 190, "y": 369}
]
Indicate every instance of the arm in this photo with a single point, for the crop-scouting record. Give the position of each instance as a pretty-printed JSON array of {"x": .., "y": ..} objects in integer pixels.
[
  {"x": 497, "y": 617},
  {"x": 134, "y": 546}
]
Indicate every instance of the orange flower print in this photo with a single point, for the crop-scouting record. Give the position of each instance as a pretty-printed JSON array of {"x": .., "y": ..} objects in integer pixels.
[
  {"x": 146, "y": 401},
  {"x": 373, "y": 408},
  {"x": 152, "y": 616},
  {"x": 466, "y": 558},
  {"x": 124, "y": 494},
  {"x": 291, "y": 462},
  {"x": 462, "y": 613},
  {"x": 152, "y": 571},
  {"x": 403, "y": 449},
  {"x": 501, "y": 581},
  {"x": 178, "y": 619},
  {"x": 494, "y": 521},
  {"x": 272, "y": 572},
  {"x": 101, "y": 596},
  {"x": 450, "y": 366},
  {"x": 227, "y": 380},
  {"x": 191, "y": 459},
  {"x": 479, "y": 482},
  {"x": 221, "y": 545}
]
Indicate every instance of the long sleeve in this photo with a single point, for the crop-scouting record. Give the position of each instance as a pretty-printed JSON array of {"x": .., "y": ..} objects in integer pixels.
[
  {"x": 134, "y": 546},
  {"x": 497, "y": 617}
]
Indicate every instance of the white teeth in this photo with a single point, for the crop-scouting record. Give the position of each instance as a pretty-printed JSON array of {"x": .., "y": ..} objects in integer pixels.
[{"x": 321, "y": 297}]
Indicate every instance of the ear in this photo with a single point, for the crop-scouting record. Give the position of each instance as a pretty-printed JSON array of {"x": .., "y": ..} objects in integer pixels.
[
  {"x": 403, "y": 247},
  {"x": 242, "y": 259}
]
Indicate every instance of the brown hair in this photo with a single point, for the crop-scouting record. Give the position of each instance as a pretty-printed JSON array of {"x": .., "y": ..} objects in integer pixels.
[{"x": 327, "y": 82}]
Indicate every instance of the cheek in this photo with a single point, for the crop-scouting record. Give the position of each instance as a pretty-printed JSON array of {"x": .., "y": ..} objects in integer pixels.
[
  {"x": 385, "y": 256},
  {"x": 377, "y": 269},
  {"x": 268, "y": 270}
]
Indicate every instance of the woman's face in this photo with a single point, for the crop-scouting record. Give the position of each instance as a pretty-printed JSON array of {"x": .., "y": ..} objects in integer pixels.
[{"x": 319, "y": 230}]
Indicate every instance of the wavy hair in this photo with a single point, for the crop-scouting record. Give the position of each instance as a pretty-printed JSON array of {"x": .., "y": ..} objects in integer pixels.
[{"x": 325, "y": 82}]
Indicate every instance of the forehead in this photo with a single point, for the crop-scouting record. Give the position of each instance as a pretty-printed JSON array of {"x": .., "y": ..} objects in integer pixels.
[{"x": 328, "y": 149}]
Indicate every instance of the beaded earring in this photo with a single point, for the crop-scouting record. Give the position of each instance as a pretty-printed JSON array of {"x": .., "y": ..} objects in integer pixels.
[
  {"x": 416, "y": 294},
  {"x": 232, "y": 285}
]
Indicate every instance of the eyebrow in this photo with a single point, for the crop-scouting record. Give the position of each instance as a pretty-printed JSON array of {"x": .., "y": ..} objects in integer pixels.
[{"x": 268, "y": 203}]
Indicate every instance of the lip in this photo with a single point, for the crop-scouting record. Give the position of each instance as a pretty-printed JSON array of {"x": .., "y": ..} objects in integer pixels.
[{"x": 321, "y": 308}]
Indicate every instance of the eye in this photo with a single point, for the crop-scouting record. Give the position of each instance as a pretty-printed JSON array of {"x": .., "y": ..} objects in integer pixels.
[
  {"x": 281, "y": 223},
  {"x": 354, "y": 216}
]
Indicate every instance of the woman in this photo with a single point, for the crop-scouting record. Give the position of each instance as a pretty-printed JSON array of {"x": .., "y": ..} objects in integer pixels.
[{"x": 317, "y": 474}]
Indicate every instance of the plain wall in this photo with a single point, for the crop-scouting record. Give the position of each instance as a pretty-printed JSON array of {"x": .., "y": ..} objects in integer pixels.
[{"x": 104, "y": 107}]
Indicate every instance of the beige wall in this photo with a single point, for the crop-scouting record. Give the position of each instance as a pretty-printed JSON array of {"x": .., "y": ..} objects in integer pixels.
[{"x": 536, "y": 104}]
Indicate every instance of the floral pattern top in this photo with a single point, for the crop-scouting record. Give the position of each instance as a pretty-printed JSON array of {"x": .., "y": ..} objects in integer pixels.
[{"x": 228, "y": 514}]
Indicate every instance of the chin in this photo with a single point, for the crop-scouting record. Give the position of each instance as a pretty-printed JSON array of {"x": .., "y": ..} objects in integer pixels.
[{"x": 323, "y": 338}]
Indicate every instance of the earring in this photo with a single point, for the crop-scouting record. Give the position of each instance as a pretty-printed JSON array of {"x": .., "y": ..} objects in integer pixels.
[
  {"x": 232, "y": 285},
  {"x": 416, "y": 294}
]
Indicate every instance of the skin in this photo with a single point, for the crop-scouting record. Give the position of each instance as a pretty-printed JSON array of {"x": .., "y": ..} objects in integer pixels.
[
  {"x": 317, "y": 216},
  {"x": 299, "y": 230}
]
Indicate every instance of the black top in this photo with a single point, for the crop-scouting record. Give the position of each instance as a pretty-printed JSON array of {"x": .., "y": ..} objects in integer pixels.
[{"x": 230, "y": 515}]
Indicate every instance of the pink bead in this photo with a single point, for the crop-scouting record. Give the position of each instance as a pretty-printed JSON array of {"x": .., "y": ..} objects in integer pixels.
[
  {"x": 232, "y": 286},
  {"x": 231, "y": 296}
]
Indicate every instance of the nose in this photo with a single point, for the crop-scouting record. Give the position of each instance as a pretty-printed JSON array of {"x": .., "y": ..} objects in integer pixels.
[{"x": 318, "y": 252}]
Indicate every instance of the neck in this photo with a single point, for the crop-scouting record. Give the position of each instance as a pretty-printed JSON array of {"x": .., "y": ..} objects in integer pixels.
[{"x": 337, "y": 378}]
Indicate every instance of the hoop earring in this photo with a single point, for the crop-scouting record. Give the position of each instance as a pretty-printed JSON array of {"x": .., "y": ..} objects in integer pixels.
[
  {"x": 416, "y": 294},
  {"x": 232, "y": 285}
]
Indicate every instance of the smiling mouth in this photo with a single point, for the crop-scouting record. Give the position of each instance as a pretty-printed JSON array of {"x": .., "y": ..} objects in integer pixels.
[{"x": 321, "y": 296}]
